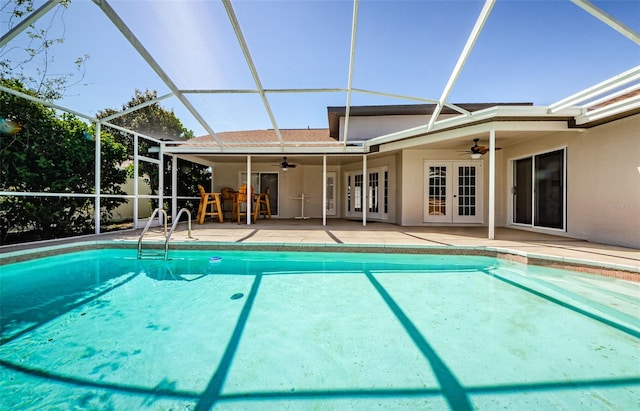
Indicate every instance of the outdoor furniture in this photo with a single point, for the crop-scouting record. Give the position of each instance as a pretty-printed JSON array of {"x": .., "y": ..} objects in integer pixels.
[
  {"x": 206, "y": 200},
  {"x": 240, "y": 203},
  {"x": 262, "y": 206},
  {"x": 227, "y": 200},
  {"x": 303, "y": 197}
]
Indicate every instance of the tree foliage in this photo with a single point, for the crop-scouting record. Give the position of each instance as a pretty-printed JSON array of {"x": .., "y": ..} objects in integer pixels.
[
  {"x": 43, "y": 152},
  {"x": 155, "y": 121}
]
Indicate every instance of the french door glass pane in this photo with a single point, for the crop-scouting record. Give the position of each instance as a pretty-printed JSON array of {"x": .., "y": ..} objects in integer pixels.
[
  {"x": 549, "y": 189},
  {"x": 357, "y": 192},
  {"x": 373, "y": 192},
  {"x": 466, "y": 191},
  {"x": 270, "y": 181},
  {"x": 437, "y": 190}
]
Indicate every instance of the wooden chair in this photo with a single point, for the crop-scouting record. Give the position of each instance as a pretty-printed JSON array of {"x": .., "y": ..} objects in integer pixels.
[
  {"x": 240, "y": 202},
  {"x": 206, "y": 200},
  {"x": 262, "y": 206}
]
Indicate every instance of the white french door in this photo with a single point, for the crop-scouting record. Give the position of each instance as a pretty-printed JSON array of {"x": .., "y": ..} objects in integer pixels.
[
  {"x": 377, "y": 198},
  {"x": 331, "y": 192},
  {"x": 453, "y": 192}
]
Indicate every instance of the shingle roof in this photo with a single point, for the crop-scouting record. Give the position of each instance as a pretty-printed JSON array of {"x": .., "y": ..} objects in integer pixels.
[{"x": 313, "y": 136}]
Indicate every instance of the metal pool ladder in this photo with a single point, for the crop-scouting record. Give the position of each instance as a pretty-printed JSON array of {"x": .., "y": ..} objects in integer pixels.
[{"x": 156, "y": 212}]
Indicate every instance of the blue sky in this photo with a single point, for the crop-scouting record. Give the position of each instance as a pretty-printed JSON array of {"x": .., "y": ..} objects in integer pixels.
[{"x": 529, "y": 51}]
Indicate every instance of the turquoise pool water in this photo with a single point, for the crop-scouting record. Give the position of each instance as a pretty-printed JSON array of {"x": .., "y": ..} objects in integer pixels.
[{"x": 329, "y": 331}]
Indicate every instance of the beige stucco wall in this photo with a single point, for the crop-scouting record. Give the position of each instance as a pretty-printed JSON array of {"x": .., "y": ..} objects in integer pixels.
[
  {"x": 603, "y": 180},
  {"x": 124, "y": 212},
  {"x": 604, "y": 188},
  {"x": 366, "y": 127}
]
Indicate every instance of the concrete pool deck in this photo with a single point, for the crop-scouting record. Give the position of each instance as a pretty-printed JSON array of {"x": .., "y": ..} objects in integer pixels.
[{"x": 523, "y": 246}]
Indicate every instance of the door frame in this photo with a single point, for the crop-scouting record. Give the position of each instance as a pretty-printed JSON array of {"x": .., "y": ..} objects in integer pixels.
[
  {"x": 451, "y": 210},
  {"x": 511, "y": 189}
]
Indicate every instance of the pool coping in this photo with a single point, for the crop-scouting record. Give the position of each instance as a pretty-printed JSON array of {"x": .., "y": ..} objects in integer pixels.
[{"x": 619, "y": 271}]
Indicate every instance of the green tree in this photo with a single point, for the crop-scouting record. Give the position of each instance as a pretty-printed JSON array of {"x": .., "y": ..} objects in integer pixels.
[
  {"x": 43, "y": 152},
  {"x": 155, "y": 121}
]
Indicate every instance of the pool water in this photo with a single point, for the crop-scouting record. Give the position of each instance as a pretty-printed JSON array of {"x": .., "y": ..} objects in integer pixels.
[{"x": 273, "y": 330}]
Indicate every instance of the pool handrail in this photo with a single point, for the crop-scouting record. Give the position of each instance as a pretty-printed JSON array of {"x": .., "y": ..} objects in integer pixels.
[
  {"x": 157, "y": 211},
  {"x": 173, "y": 227}
]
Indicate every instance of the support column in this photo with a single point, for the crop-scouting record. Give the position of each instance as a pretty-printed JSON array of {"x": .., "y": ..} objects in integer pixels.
[
  {"x": 324, "y": 190},
  {"x": 492, "y": 183},
  {"x": 98, "y": 188},
  {"x": 249, "y": 190},
  {"x": 136, "y": 188},
  {"x": 365, "y": 190},
  {"x": 161, "y": 182},
  {"x": 174, "y": 187}
]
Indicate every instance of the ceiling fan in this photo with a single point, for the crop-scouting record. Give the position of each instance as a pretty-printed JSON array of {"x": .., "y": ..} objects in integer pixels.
[
  {"x": 477, "y": 151},
  {"x": 285, "y": 165}
]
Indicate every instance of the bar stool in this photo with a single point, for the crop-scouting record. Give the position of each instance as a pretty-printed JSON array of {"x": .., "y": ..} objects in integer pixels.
[
  {"x": 206, "y": 200},
  {"x": 240, "y": 199},
  {"x": 263, "y": 206}
]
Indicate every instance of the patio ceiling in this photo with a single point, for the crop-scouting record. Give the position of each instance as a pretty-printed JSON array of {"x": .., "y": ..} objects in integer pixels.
[{"x": 222, "y": 59}]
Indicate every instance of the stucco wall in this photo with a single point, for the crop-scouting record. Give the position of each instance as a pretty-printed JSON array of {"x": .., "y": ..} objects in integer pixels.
[
  {"x": 124, "y": 212},
  {"x": 366, "y": 127},
  {"x": 604, "y": 189},
  {"x": 603, "y": 180}
]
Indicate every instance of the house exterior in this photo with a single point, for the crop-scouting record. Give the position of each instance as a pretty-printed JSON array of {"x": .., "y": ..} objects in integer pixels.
[{"x": 548, "y": 172}]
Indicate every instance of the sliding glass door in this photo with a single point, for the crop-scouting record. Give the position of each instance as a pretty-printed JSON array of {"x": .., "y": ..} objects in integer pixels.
[
  {"x": 262, "y": 183},
  {"x": 539, "y": 190}
]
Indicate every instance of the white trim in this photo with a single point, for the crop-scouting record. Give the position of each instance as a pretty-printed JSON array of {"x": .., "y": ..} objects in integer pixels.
[
  {"x": 611, "y": 83},
  {"x": 621, "y": 106}
]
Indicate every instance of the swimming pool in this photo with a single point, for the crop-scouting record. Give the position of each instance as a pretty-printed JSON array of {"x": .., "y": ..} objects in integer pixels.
[{"x": 294, "y": 330}]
